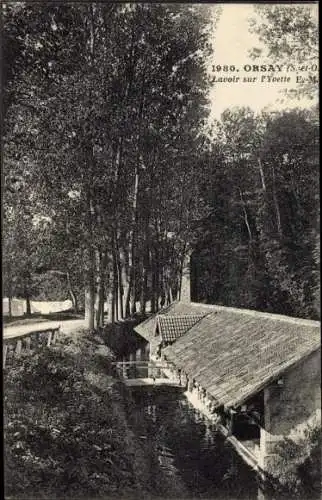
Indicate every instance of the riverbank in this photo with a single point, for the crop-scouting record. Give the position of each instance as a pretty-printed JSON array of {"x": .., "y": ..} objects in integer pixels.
[{"x": 68, "y": 430}]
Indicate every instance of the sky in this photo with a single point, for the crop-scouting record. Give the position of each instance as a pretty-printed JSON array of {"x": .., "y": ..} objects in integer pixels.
[{"x": 232, "y": 42}]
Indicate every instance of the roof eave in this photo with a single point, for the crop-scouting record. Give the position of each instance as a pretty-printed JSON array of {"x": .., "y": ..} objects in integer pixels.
[
  {"x": 239, "y": 401},
  {"x": 235, "y": 402}
]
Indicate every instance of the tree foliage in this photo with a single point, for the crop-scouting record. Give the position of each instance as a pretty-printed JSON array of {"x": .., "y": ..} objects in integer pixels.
[
  {"x": 67, "y": 429},
  {"x": 110, "y": 178},
  {"x": 298, "y": 466},
  {"x": 289, "y": 34},
  {"x": 106, "y": 109},
  {"x": 259, "y": 244}
]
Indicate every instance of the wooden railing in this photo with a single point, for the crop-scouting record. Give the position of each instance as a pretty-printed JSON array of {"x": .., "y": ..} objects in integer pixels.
[
  {"x": 134, "y": 369},
  {"x": 13, "y": 347}
]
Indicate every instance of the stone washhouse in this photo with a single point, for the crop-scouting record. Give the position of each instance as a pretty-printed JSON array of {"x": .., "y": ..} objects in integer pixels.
[{"x": 256, "y": 374}]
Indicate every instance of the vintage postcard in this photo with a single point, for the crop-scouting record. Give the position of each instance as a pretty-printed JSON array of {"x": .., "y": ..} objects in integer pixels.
[{"x": 161, "y": 250}]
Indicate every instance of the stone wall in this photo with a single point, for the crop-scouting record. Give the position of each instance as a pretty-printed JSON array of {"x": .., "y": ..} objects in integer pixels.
[
  {"x": 297, "y": 399},
  {"x": 290, "y": 405}
]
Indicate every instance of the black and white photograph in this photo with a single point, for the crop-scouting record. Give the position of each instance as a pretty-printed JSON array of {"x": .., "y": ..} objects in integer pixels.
[{"x": 160, "y": 250}]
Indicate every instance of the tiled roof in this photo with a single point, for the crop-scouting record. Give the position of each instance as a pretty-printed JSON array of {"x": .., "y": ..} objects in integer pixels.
[
  {"x": 172, "y": 327},
  {"x": 147, "y": 328},
  {"x": 234, "y": 353}
]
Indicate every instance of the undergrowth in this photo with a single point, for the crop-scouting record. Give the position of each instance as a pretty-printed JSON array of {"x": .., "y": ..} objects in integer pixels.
[{"x": 66, "y": 431}]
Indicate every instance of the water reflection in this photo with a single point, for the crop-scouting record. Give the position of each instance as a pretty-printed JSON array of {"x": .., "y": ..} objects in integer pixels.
[{"x": 189, "y": 446}]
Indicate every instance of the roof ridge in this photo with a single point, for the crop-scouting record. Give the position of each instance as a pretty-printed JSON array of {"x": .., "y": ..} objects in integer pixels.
[
  {"x": 254, "y": 313},
  {"x": 163, "y": 309},
  {"x": 164, "y": 316}
]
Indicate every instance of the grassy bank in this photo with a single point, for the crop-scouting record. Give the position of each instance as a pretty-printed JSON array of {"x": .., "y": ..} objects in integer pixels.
[{"x": 67, "y": 429}]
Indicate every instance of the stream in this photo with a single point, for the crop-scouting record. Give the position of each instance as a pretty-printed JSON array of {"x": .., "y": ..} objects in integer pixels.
[{"x": 190, "y": 450}]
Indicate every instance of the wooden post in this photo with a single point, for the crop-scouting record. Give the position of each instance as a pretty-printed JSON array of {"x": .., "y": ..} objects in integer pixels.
[
  {"x": 261, "y": 493},
  {"x": 124, "y": 369},
  {"x": 50, "y": 334},
  {"x": 138, "y": 354},
  {"x": 4, "y": 353},
  {"x": 28, "y": 344},
  {"x": 132, "y": 365},
  {"x": 18, "y": 347},
  {"x": 54, "y": 337},
  {"x": 231, "y": 422}
]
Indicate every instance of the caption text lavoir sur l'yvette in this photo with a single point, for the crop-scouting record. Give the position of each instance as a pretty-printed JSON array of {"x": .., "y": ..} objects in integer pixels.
[{"x": 265, "y": 73}]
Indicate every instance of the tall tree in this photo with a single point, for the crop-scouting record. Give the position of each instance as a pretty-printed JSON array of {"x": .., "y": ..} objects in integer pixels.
[
  {"x": 104, "y": 93},
  {"x": 259, "y": 241}
]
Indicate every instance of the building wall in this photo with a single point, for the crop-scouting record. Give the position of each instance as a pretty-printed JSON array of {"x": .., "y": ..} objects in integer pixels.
[
  {"x": 290, "y": 407},
  {"x": 294, "y": 402}
]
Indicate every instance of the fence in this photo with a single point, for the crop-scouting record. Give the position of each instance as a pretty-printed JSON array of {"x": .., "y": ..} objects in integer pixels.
[
  {"x": 140, "y": 369},
  {"x": 14, "y": 347}
]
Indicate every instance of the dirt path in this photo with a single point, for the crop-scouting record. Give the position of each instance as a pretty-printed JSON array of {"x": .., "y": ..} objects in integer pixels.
[{"x": 67, "y": 326}]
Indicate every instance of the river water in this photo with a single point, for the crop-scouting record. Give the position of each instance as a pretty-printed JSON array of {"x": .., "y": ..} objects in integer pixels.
[{"x": 191, "y": 451}]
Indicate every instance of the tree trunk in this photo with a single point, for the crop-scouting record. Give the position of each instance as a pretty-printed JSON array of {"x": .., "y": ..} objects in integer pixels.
[
  {"x": 132, "y": 252},
  {"x": 121, "y": 288},
  {"x": 112, "y": 301},
  {"x": 144, "y": 289},
  {"x": 72, "y": 293},
  {"x": 162, "y": 288},
  {"x": 115, "y": 286},
  {"x": 261, "y": 171},
  {"x": 74, "y": 301},
  {"x": 118, "y": 277},
  {"x": 129, "y": 285},
  {"x": 153, "y": 284},
  {"x": 157, "y": 284},
  {"x": 169, "y": 296},
  {"x": 133, "y": 233},
  {"x": 10, "y": 306},
  {"x": 89, "y": 267},
  {"x": 277, "y": 208},
  {"x": 28, "y": 305},
  {"x": 89, "y": 304},
  {"x": 109, "y": 295},
  {"x": 123, "y": 281},
  {"x": 180, "y": 280},
  {"x": 245, "y": 216},
  {"x": 99, "y": 303},
  {"x": 155, "y": 280},
  {"x": 127, "y": 301}
]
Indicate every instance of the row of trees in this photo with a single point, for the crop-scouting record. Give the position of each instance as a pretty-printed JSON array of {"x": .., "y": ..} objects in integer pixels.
[
  {"x": 260, "y": 243},
  {"x": 111, "y": 174},
  {"x": 104, "y": 107}
]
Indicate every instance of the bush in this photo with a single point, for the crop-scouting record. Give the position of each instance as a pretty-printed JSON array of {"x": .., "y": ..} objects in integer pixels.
[
  {"x": 298, "y": 466},
  {"x": 66, "y": 433}
]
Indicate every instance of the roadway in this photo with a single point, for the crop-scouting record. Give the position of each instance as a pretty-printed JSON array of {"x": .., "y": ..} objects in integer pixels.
[{"x": 67, "y": 326}]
